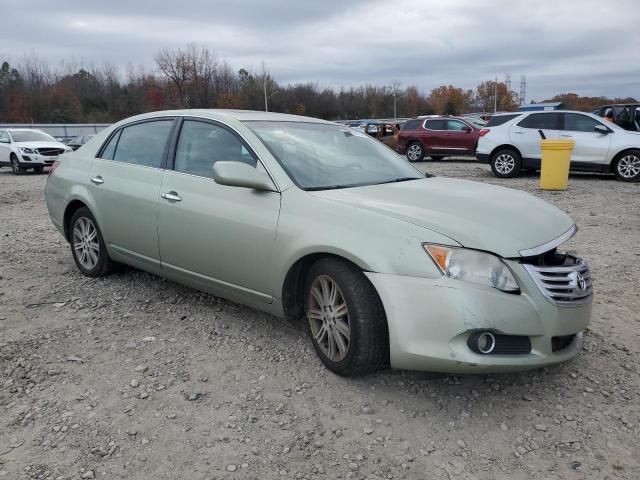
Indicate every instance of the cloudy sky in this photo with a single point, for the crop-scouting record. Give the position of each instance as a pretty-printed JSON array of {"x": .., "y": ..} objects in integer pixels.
[{"x": 591, "y": 47}]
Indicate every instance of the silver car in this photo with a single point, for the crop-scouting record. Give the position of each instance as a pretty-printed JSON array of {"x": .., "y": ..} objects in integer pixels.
[{"x": 317, "y": 222}]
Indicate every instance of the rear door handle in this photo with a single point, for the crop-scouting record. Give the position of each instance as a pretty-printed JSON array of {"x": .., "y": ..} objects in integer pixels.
[
  {"x": 519, "y": 132},
  {"x": 97, "y": 180},
  {"x": 566, "y": 135},
  {"x": 171, "y": 196}
]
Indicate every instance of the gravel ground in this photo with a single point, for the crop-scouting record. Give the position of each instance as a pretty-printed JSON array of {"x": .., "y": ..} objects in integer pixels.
[{"x": 132, "y": 376}]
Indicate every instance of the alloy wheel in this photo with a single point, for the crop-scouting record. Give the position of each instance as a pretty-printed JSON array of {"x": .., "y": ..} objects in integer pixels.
[
  {"x": 85, "y": 243},
  {"x": 414, "y": 152},
  {"x": 505, "y": 164},
  {"x": 329, "y": 318},
  {"x": 629, "y": 166}
]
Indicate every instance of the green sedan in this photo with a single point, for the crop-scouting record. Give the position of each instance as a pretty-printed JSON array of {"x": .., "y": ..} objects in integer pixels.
[{"x": 317, "y": 222}]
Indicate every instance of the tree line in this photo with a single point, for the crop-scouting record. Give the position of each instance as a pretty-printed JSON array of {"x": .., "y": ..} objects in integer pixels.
[{"x": 195, "y": 77}]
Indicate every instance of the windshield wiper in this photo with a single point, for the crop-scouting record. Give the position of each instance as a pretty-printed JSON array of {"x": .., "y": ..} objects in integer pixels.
[{"x": 401, "y": 179}]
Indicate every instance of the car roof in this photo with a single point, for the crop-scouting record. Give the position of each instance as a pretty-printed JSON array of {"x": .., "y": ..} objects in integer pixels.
[
  {"x": 23, "y": 130},
  {"x": 224, "y": 114}
]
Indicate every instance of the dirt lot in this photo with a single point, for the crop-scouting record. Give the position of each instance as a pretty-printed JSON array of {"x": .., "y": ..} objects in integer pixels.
[{"x": 135, "y": 377}]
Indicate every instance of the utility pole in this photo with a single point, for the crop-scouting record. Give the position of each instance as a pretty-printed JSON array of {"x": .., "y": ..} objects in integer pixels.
[
  {"x": 495, "y": 96},
  {"x": 394, "y": 85},
  {"x": 264, "y": 84}
]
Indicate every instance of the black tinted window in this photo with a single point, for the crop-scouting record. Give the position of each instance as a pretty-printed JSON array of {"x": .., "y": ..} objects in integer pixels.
[
  {"x": 143, "y": 143},
  {"x": 500, "y": 119},
  {"x": 436, "y": 124},
  {"x": 110, "y": 148},
  {"x": 547, "y": 121},
  {"x": 203, "y": 144},
  {"x": 579, "y": 123},
  {"x": 410, "y": 124}
]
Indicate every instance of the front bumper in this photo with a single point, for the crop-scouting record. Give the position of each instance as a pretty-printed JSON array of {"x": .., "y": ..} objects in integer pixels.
[
  {"x": 430, "y": 321},
  {"x": 28, "y": 160}
]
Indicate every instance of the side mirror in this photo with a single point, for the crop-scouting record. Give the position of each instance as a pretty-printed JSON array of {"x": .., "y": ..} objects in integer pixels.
[
  {"x": 5, "y": 140},
  {"x": 601, "y": 129},
  {"x": 466, "y": 129},
  {"x": 238, "y": 174}
]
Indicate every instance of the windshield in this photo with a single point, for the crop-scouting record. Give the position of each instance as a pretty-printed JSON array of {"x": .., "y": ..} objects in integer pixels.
[
  {"x": 31, "y": 136},
  {"x": 321, "y": 156}
]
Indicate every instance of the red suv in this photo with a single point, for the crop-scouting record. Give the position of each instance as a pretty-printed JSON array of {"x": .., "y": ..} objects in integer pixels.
[{"x": 438, "y": 137}]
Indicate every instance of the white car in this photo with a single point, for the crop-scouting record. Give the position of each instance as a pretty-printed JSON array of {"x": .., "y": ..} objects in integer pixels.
[
  {"x": 23, "y": 149},
  {"x": 514, "y": 145}
]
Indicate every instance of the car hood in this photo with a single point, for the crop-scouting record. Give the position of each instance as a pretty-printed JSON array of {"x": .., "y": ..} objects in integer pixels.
[
  {"x": 475, "y": 215},
  {"x": 39, "y": 144}
]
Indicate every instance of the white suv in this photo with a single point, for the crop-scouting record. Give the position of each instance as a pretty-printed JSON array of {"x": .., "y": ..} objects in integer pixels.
[
  {"x": 514, "y": 145},
  {"x": 23, "y": 149}
]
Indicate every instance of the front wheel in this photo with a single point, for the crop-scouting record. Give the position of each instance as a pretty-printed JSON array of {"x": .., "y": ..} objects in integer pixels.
[
  {"x": 415, "y": 152},
  {"x": 346, "y": 318},
  {"x": 87, "y": 245},
  {"x": 506, "y": 163},
  {"x": 627, "y": 166},
  {"x": 15, "y": 166}
]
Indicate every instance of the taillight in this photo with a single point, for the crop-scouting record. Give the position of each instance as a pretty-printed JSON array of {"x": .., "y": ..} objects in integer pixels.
[
  {"x": 53, "y": 166},
  {"x": 484, "y": 131}
]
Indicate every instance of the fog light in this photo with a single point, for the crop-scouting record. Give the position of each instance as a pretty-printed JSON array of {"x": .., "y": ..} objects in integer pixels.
[{"x": 482, "y": 342}]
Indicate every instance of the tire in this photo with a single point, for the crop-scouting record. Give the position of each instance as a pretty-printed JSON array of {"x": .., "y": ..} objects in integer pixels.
[
  {"x": 95, "y": 262},
  {"x": 506, "y": 163},
  {"x": 415, "y": 152},
  {"x": 38, "y": 170},
  {"x": 15, "y": 166},
  {"x": 627, "y": 166},
  {"x": 365, "y": 349},
  {"x": 437, "y": 157}
]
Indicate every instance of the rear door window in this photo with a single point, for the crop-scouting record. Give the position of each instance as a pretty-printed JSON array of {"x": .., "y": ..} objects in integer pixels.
[
  {"x": 543, "y": 121},
  {"x": 144, "y": 143}
]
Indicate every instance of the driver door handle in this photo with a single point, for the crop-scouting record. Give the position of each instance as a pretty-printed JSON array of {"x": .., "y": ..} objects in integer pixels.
[
  {"x": 97, "y": 180},
  {"x": 566, "y": 135},
  {"x": 171, "y": 196}
]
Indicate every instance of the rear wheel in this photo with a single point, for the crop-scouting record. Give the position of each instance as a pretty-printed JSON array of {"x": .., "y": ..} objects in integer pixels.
[
  {"x": 506, "y": 163},
  {"x": 345, "y": 318},
  {"x": 15, "y": 166},
  {"x": 627, "y": 166},
  {"x": 415, "y": 152},
  {"x": 87, "y": 245}
]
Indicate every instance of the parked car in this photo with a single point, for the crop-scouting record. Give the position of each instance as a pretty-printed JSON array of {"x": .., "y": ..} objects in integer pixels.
[
  {"x": 626, "y": 116},
  {"x": 314, "y": 221},
  {"x": 600, "y": 146},
  {"x": 385, "y": 132},
  {"x": 437, "y": 137},
  {"x": 76, "y": 142},
  {"x": 22, "y": 149}
]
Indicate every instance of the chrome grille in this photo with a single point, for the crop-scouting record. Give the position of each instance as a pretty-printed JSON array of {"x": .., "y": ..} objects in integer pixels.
[
  {"x": 50, "y": 152},
  {"x": 564, "y": 285}
]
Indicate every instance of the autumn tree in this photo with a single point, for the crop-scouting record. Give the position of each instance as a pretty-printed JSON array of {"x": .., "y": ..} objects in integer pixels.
[{"x": 485, "y": 98}]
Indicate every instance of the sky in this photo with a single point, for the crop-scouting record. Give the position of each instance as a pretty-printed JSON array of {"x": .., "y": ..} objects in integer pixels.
[{"x": 584, "y": 46}]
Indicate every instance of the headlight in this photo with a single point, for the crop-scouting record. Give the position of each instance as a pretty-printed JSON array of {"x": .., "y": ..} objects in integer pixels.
[
  {"x": 25, "y": 150},
  {"x": 473, "y": 266}
]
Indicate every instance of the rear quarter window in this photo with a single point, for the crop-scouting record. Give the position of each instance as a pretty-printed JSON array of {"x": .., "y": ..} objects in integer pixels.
[{"x": 500, "y": 119}]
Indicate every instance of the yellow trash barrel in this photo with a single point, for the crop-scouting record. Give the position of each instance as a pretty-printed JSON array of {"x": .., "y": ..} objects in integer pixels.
[{"x": 556, "y": 157}]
